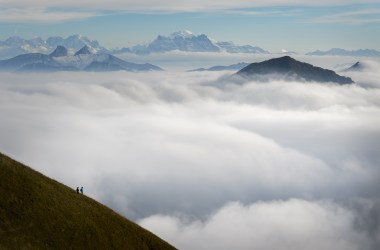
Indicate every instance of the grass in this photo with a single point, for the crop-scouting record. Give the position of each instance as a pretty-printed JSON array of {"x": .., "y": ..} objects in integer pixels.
[{"x": 37, "y": 212}]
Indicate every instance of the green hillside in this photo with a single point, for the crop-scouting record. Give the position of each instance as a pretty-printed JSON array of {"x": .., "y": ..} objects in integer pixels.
[{"x": 37, "y": 212}]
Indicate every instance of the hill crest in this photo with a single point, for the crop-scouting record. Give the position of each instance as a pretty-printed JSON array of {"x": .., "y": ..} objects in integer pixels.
[{"x": 37, "y": 212}]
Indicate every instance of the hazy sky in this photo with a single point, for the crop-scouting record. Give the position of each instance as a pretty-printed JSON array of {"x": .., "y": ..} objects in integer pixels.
[{"x": 273, "y": 25}]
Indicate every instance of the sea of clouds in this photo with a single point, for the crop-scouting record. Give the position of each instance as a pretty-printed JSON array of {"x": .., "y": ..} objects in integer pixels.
[{"x": 206, "y": 163}]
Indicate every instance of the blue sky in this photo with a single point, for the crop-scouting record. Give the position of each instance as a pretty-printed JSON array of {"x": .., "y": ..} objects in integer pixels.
[{"x": 284, "y": 24}]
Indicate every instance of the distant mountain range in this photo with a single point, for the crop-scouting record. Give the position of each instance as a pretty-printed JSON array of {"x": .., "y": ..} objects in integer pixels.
[
  {"x": 343, "y": 52},
  {"x": 15, "y": 45},
  {"x": 182, "y": 41},
  {"x": 189, "y": 42},
  {"x": 61, "y": 60},
  {"x": 289, "y": 69},
  {"x": 237, "y": 66}
]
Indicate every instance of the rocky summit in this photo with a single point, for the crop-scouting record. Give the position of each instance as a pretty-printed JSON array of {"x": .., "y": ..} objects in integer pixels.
[{"x": 288, "y": 69}]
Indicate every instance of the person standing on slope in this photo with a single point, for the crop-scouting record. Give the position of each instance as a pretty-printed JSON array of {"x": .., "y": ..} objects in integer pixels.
[
  {"x": 81, "y": 190},
  {"x": 77, "y": 190}
]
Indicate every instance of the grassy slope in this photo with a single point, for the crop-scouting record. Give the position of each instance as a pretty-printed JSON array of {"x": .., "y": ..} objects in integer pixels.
[{"x": 37, "y": 212}]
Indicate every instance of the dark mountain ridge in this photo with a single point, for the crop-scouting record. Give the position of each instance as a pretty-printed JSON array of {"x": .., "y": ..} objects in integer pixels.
[
  {"x": 37, "y": 212},
  {"x": 83, "y": 51},
  {"x": 59, "y": 51},
  {"x": 112, "y": 63},
  {"x": 20, "y": 61},
  {"x": 287, "y": 68}
]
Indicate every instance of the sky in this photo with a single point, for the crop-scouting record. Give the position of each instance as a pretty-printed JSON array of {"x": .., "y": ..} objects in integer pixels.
[{"x": 294, "y": 25}]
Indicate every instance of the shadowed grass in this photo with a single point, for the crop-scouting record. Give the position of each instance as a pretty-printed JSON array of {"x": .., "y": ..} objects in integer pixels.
[{"x": 37, "y": 212}]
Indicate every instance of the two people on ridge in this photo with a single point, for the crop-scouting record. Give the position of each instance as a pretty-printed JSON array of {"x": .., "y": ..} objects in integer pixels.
[{"x": 81, "y": 190}]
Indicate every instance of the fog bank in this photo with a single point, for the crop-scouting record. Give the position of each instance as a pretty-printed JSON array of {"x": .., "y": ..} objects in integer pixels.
[{"x": 206, "y": 163}]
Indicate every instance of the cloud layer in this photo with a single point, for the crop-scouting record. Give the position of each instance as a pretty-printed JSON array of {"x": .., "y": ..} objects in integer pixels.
[
  {"x": 54, "y": 10},
  {"x": 167, "y": 5},
  {"x": 16, "y": 15},
  {"x": 292, "y": 224},
  {"x": 204, "y": 162}
]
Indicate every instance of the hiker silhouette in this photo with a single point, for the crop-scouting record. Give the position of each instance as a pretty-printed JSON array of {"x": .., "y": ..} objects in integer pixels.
[
  {"x": 81, "y": 190},
  {"x": 77, "y": 190}
]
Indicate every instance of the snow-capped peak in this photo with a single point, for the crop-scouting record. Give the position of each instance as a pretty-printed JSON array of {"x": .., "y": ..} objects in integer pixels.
[
  {"x": 14, "y": 40},
  {"x": 78, "y": 37},
  {"x": 182, "y": 33},
  {"x": 86, "y": 50}
]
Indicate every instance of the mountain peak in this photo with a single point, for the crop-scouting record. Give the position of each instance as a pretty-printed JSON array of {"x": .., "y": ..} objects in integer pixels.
[
  {"x": 188, "y": 41},
  {"x": 77, "y": 36},
  {"x": 285, "y": 59},
  {"x": 14, "y": 40},
  {"x": 358, "y": 66},
  {"x": 289, "y": 69},
  {"x": 282, "y": 63},
  {"x": 84, "y": 51},
  {"x": 37, "y": 41},
  {"x": 59, "y": 51},
  {"x": 182, "y": 33}
]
